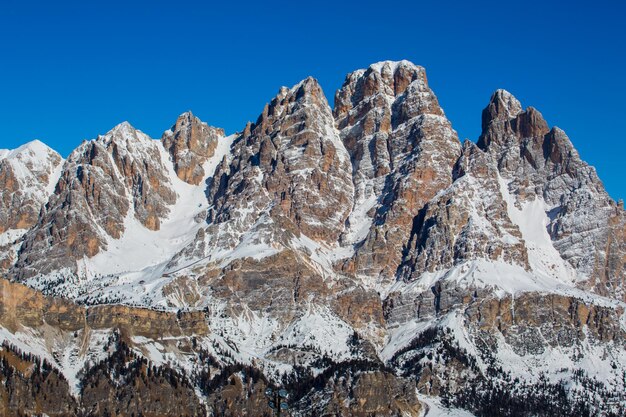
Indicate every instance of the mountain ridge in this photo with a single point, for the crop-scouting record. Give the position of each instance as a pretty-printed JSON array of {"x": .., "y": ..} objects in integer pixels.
[{"x": 365, "y": 236}]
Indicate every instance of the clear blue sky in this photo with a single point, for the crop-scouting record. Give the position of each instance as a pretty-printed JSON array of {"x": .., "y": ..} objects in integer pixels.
[{"x": 72, "y": 70}]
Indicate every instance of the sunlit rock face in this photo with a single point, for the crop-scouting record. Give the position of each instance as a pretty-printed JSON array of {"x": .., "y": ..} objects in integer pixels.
[
  {"x": 290, "y": 163},
  {"x": 402, "y": 149},
  {"x": 362, "y": 258},
  {"x": 540, "y": 163},
  {"x": 103, "y": 182},
  {"x": 190, "y": 143}
]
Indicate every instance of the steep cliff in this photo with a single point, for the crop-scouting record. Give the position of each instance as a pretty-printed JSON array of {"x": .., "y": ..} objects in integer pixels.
[{"x": 361, "y": 258}]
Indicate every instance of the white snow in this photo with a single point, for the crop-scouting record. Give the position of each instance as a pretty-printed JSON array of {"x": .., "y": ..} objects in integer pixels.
[
  {"x": 402, "y": 336},
  {"x": 30, "y": 161},
  {"x": 139, "y": 258},
  {"x": 532, "y": 221},
  {"x": 319, "y": 327},
  {"x": 433, "y": 408},
  {"x": 359, "y": 221},
  {"x": 11, "y": 236},
  {"x": 250, "y": 247},
  {"x": 393, "y": 65}
]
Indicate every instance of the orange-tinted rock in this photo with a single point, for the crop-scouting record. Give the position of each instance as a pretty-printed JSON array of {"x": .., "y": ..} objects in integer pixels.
[{"x": 190, "y": 143}]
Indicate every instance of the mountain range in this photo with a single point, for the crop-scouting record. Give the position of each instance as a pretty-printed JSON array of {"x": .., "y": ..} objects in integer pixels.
[{"x": 361, "y": 257}]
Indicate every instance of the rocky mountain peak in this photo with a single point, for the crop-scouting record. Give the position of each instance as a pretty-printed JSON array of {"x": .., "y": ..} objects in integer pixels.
[
  {"x": 540, "y": 165},
  {"x": 35, "y": 147},
  {"x": 190, "y": 143},
  {"x": 523, "y": 144},
  {"x": 28, "y": 176},
  {"x": 402, "y": 150},
  {"x": 124, "y": 135},
  {"x": 123, "y": 128},
  {"x": 398, "y": 75},
  {"x": 188, "y": 121},
  {"x": 307, "y": 93},
  {"x": 187, "y": 117},
  {"x": 503, "y": 106},
  {"x": 287, "y": 160},
  {"x": 505, "y": 113},
  {"x": 102, "y": 181},
  {"x": 388, "y": 79},
  {"x": 35, "y": 157},
  {"x": 308, "y": 85},
  {"x": 508, "y": 129}
]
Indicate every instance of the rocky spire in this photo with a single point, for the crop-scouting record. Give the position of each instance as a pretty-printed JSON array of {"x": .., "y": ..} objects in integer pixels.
[
  {"x": 190, "y": 143},
  {"x": 538, "y": 162},
  {"x": 502, "y": 107},
  {"x": 402, "y": 151},
  {"x": 291, "y": 161},
  {"x": 507, "y": 129}
]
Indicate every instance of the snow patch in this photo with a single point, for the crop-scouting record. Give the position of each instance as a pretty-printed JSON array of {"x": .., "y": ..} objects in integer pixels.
[
  {"x": 532, "y": 220},
  {"x": 134, "y": 265},
  {"x": 434, "y": 408}
]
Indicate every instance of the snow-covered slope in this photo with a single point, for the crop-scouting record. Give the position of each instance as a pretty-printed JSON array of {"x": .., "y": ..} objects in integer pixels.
[
  {"x": 135, "y": 266},
  {"x": 367, "y": 237}
]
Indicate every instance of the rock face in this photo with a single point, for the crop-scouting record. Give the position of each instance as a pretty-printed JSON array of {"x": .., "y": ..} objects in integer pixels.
[
  {"x": 286, "y": 184},
  {"x": 402, "y": 150},
  {"x": 350, "y": 257},
  {"x": 290, "y": 163},
  {"x": 102, "y": 182},
  {"x": 190, "y": 143},
  {"x": 468, "y": 220},
  {"x": 585, "y": 224},
  {"x": 24, "y": 307},
  {"x": 27, "y": 177}
]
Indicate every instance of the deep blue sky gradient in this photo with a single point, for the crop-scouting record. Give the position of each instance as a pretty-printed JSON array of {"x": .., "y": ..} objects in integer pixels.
[{"x": 72, "y": 70}]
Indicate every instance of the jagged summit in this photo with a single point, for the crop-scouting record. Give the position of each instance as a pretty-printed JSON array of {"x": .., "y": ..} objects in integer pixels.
[
  {"x": 540, "y": 164},
  {"x": 397, "y": 136},
  {"x": 187, "y": 118},
  {"x": 307, "y": 92},
  {"x": 186, "y": 115},
  {"x": 306, "y": 86},
  {"x": 502, "y": 106},
  {"x": 308, "y": 83},
  {"x": 28, "y": 175},
  {"x": 190, "y": 143},
  {"x": 291, "y": 160},
  {"x": 363, "y": 249},
  {"x": 387, "y": 78},
  {"x": 123, "y": 132}
]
